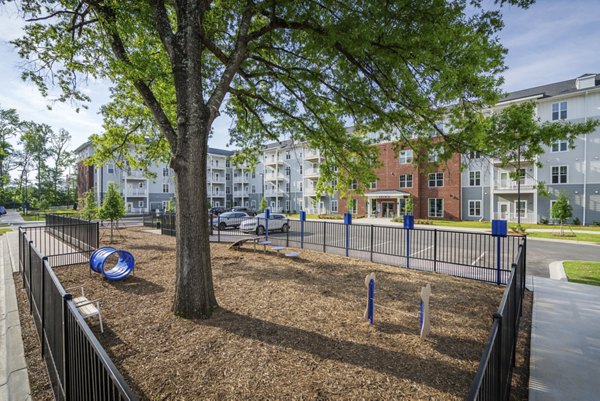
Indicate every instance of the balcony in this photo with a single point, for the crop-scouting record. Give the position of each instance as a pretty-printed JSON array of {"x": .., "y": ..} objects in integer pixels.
[
  {"x": 274, "y": 192},
  {"x": 512, "y": 217},
  {"x": 216, "y": 194},
  {"x": 240, "y": 179},
  {"x": 134, "y": 174},
  {"x": 510, "y": 187},
  {"x": 136, "y": 210},
  {"x": 273, "y": 161},
  {"x": 275, "y": 177},
  {"x": 138, "y": 192},
  {"x": 216, "y": 180},
  {"x": 312, "y": 173},
  {"x": 312, "y": 155},
  {"x": 238, "y": 194},
  {"x": 310, "y": 192}
]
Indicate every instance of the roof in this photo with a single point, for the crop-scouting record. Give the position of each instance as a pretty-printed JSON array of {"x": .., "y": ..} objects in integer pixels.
[
  {"x": 550, "y": 90},
  {"x": 82, "y": 146},
  {"x": 221, "y": 152}
]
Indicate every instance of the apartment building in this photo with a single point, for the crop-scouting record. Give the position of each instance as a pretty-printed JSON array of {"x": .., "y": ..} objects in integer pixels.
[
  {"x": 436, "y": 192},
  {"x": 489, "y": 192},
  {"x": 145, "y": 194}
]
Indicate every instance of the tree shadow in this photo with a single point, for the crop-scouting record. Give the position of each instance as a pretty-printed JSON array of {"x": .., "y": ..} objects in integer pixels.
[
  {"x": 447, "y": 345},
  {"x": 137, "y": 285},
  {"x": 389, "y": 362}
]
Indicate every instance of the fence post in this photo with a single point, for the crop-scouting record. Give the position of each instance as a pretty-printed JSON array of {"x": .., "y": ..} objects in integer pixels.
[
  {"x": 371, "y": 242},
  {"x": 219, "y": 228},
  {"x": 407, "y": 247},
  {"x": 435, "y": 250},
  {"x": 212, "y": 217},
  {"x": 324, "y": 234},
  {"x": 65, "y": 347},
  {"x": 500, "y": 390},
  {"x": 43, "y": 298},
  {"x": 287, "y": 234},
  {"x": 30, "y": 285},
  {"x": 498, "y": 259},
  {"x": 302, "y": 234}
]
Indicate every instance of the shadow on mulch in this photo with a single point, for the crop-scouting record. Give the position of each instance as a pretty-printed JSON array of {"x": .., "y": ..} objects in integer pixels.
[
  {"x": 362, "y": 355},
  {"x": 137, "y": 285},
  {"x": 446, "y": 345}
]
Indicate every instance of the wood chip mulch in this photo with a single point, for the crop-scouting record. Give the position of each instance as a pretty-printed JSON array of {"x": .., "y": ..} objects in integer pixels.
[{"x": 287, "y": 328}]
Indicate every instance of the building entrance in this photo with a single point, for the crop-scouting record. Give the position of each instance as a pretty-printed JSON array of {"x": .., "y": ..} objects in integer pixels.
[{"x": 388, "y": 209}]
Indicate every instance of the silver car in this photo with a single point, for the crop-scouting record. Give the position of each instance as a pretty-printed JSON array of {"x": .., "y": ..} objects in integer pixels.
[
  {"x": 258, "y": 224},
  {"x": 229, "y": 219}
]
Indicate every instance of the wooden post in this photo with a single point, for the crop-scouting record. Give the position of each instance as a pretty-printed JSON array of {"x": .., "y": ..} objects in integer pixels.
[{"x": 424, "y": 327}]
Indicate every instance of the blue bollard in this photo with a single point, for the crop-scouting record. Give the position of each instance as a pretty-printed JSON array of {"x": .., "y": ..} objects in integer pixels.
[
  {"x": 421, "y": 317},
  {"x": 409, "y": 224},
  {"x": 302, "y": 220},
  {"x": 347, "y": 222},
  {"x": 499, "y": 230},
  {"x": 267, "y": 217},
  {"x": 371, "y": 305}
]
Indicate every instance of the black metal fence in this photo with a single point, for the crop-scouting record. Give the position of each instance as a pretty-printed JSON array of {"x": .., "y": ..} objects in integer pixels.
[
  {"x": 78, "y": 367},
  {"x": 151, "y": 220},
  {"x": 493, "y": 378}
]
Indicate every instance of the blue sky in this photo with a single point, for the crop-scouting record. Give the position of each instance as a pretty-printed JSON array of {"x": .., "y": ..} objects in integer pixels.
[{"x": 554, "y": 40}]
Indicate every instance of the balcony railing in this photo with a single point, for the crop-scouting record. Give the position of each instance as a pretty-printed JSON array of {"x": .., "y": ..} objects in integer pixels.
[
  {"x": 216, "y": 194},
  {"x": 215, "y": 180},
  {"x": 241, "y": 193},
  {"x": 275, "y": 177},
  {"x": 136, "y": 192},
  {"x": 271, "y": 161},
  {"x": 310, "y": 192},
  {"x": 312, "y": 173},
  {"x": 312, "y": 155},
  {"x": 137, "y": 210},
  {"x": 135, "y": 174},
  {"x": 274, "y": 192},
  {"x": 526, "y": 186},
  {"x": 240, "y": 178},
  {"x": 512, "y": 217}
]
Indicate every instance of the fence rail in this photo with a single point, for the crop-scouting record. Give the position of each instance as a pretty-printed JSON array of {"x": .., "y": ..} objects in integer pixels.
[{"x": 78, "y": 367}]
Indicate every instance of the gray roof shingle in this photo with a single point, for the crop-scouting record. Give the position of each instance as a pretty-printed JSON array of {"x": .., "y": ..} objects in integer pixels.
[{"x": 550, "y": 90}]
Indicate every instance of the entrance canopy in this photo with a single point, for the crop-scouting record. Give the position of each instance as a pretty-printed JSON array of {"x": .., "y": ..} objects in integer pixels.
[{"x": 384, "y": 201}]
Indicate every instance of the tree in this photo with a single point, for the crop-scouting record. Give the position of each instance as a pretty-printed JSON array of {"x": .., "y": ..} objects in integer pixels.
[
  {"x": 263, "y": 204},
  {"x": 89, "y": 210},
  {"x": 297, "y": 69},
  {"x": 562, "y": 210},
  {"x": 34, "y": 139},
  {"x": 515, "y": 134},
  {"x": 113, "y": 207},
  {"x": 409, "y": 206}
]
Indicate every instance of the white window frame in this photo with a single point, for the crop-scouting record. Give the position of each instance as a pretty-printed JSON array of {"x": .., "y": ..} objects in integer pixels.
[
  {"x": 110, "y": 168},
  {"x": 474, "y": 207},
  {"x": 253, "y": 189},
  {"x": 558, "y": 109},
  {"x": 406, "y": 180},
  {"x": 523, "y": 210},
  {"x": 287, "y": 205},
  {"x": 373, "y": 185},
  {"x": 164, "y": 204},
  {"x": 474, "y": 155},
  {"x": 559, "y": 175},
  {"x": 354, "y": 184},
  {"x": 166, "y": 185},
  {"x": 437, "y": 213},
  {"x": 334, "y": 206},
  {"x": 406, "y": 156},
  {"x": 560, "y": 144},
  {"x": 475, "y": 178},
  {"x": 436, "y": 180},
  {"x": 217, "y": 203},
  {"x": 141, "y": 203}
]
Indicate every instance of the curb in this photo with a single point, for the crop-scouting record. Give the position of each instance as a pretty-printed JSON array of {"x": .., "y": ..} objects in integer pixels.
[
  {"x": 14, "y": 380},
  {"x": 557, "y": 271}
]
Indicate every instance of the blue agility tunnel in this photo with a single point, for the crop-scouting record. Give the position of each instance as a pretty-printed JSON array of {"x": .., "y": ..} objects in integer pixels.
[{"x": 122, "y": 269}]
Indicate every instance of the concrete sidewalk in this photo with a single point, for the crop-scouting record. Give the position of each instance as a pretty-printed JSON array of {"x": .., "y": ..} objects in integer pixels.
[{"x": 565, "y": 341}]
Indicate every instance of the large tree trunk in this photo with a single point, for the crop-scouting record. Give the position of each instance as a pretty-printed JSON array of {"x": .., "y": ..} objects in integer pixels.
[{"x": 194, "y": 293}]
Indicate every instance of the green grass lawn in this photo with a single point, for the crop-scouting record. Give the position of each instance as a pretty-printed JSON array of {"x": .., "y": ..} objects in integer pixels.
[
  {"x": 4, "y": 230},
  {"x": 308, "y": 216},
  {"x": 583, "y": 272},
  {"x": 577, "y": 237}
]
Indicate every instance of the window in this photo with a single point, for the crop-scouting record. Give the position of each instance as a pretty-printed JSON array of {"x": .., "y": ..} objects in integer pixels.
[
  {"x": 300, "y": 186},
  {"x": 354, "y": 184},
  {"x": 436, "y": 180},
  {"x": 521, "y": 209},
  {"x": 217, "y": 204},
  {"x": 474, "y": 208},
  {"x": 253, "y": 189},
  {"x": 352, "y": 205},
  {"x": 164, "y": 204},
  {"x": 166, "y": 188},
  {"x": 406, "y": 156},
  {"x": 334, "y": 206},
  {"x": 434, "y": 155},
  {"x": 559, "y": 174},
  {"x": 227, "y": 163},
  {"x": 474, "y": 155},
  {"x": 334, "y": 183},
  {"x": 228, "y": 176},
  {"x": 560, "y": 146},
  {"x": 474, "y": 178},
  {"x": 406, "y": 181},
  {"x": 287, "y": 205},
  {"x": 559, "y": 111},
  {"x": 253, "y": 174},
  {"x": 373, "y": 185},
  {"x": 253, "y": 204},
  {"x": 436, "y": 207},
  {"x": 288, "y": 156},
  {"x": 217, "y": 177},
  {"x": 300, "y": 169},
  {"x": 165, "y": 171},
  {"x": 141, "y": 204},
  {"x": 287, "y": 171},
  {"x": 141, "y": 185},
  {"x": 110, "y": 168},
  {"x": 287, "y": 187},
  {"x": 227, "y": 190}
]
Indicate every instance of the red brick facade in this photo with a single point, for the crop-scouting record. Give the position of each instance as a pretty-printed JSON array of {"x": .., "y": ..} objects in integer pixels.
[
  {"x": 389, "y": 179},
  {"x": 85, "y": 178}
]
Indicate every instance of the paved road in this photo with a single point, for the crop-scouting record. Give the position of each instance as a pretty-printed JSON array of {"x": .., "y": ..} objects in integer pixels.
[{"x": 541, "y": 253}]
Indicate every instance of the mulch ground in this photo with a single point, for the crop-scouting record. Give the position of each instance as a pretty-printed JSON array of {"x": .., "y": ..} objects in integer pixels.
[{"x": 288, "y": 328}]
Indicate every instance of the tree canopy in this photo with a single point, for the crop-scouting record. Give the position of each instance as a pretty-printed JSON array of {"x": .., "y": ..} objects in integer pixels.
[{"x": 303, "y": 70}]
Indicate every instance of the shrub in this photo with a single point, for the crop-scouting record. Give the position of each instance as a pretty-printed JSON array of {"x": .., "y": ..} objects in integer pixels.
[
  {"x": 543, "y": 221},
  {"x": 576, "y": 221}
]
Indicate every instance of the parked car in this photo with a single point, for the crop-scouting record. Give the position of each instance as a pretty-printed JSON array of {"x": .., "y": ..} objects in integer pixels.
[
  {"x": 258, "y": 224},
  {"x": 217, "y": 210},
  {"x": 229, "y": 219},
  {"x": 2, "y": 210},
  {"x": 250, "y": 211}
]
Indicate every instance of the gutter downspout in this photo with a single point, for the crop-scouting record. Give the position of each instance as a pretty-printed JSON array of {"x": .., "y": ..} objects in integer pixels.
[{"x": 585, "y": 164}]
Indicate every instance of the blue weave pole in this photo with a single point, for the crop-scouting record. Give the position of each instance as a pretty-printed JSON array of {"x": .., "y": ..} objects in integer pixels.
[
  {"x": 407, "y": 247},
  {"x": 371, "y": 304},
  {"x": 499, "y": 261},
  {"x": 422, "y": 316},
  {"x": 122, "y": 269}
]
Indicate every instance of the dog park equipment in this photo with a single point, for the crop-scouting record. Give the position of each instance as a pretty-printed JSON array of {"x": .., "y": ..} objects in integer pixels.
[
  {"x": 87, "y": 308},
  {"x": 499, "y": 230},
  {"x": 370, "y": 311},
  {"x": 408, "y": 224},
  {"x": 348, "y": 222},
  {"x": 424, "y": 321},
  {"x": 122, "y": 269}
]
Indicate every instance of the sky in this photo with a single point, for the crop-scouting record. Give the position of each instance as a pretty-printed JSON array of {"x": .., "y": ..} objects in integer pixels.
[{"x": 552, "y": 41}]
